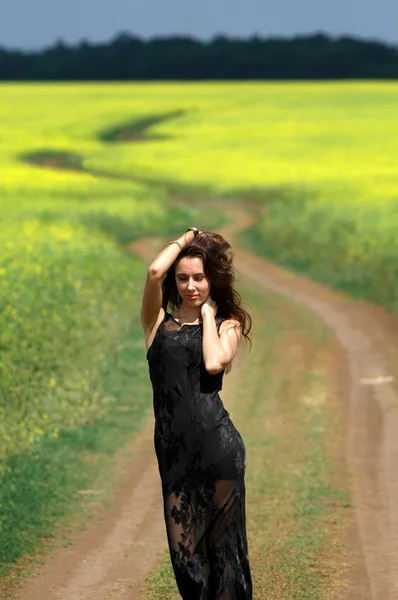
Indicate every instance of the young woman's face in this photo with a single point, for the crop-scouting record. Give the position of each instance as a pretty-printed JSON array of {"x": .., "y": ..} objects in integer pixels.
[{"x": 192, "y": 283}]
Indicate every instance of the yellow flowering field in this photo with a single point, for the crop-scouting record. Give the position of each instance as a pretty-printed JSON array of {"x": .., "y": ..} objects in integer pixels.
[
  {"x": 70, "y": 293},
  {"x": 321, "y": 156},
  {"x": 59, "y": 318}
]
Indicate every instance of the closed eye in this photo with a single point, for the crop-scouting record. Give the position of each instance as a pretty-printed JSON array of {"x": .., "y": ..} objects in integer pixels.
[{"x": 196, "y": 278}]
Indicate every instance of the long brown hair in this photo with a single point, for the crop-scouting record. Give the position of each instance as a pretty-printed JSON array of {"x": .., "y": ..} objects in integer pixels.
[{"x": 217, "y": 258}]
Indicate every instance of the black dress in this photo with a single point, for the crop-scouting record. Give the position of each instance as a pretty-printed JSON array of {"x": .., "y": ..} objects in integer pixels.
[{"x": 201, "y": 460}]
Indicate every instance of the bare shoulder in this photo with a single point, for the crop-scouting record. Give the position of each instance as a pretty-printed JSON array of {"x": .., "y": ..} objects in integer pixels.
[
  {"x": 150, "y": 332},
  {"x": 230, "y": 326}
]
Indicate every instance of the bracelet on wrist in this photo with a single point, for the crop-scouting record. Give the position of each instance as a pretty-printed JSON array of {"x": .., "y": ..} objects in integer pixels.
[{"x": 176, "y": 242}]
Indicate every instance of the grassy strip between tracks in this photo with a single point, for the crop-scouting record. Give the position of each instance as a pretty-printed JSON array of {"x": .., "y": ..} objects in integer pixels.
[{"x": 286, "y": 409}]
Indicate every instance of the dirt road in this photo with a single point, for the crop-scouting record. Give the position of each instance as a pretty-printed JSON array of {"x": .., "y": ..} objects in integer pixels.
[{"x": 110, "y": 560}]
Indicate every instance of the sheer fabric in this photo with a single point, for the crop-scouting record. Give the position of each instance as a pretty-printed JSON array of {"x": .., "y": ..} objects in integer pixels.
[{"x": 201, "y": 459}]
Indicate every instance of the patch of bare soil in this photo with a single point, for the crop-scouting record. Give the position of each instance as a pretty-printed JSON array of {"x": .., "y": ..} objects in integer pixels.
[
  {"x": 64, "y": 161},
  {"x": 111, "y": 558}
]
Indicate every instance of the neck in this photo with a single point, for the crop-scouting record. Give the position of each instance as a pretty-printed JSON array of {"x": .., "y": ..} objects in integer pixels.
[{"x": 189, "y": 313}]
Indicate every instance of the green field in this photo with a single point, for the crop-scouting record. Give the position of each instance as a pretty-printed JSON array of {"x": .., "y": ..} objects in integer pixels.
[{"x": 319, "y": 161}]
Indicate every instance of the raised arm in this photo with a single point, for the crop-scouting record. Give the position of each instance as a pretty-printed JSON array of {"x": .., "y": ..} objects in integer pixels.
[{"x": 152, "y": 296}]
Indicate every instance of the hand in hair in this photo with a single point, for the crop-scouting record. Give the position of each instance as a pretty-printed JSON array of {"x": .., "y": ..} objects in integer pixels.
[{"x": 209, "y": 307}]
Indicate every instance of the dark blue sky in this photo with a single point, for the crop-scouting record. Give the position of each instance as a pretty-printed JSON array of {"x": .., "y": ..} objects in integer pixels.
[{"x": 35, "y": 23}]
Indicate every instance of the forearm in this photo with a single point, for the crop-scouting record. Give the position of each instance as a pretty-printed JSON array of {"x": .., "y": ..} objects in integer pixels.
[
  {"x": 163, "y": 261},
  {"x": 214, "y": 355}
]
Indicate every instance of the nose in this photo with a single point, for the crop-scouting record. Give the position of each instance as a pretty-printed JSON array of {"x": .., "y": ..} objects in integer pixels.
[{"x": 191, "y": 284}]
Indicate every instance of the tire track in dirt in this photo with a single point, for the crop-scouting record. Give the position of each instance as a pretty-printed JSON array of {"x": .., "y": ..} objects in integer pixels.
[
  {"x": 364, "y": 333},
  {"x": 110, "y": 560}
]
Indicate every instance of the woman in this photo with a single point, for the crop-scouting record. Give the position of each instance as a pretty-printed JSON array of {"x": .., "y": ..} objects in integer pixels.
[{"x": 201, "y": 455}]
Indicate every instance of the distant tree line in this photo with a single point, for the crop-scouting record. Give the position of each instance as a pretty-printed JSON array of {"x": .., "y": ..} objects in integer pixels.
[{"x": 127, "y": 57}]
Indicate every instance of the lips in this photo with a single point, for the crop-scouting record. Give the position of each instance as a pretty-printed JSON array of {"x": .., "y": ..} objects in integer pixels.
[{"x": 193, "y": 297}]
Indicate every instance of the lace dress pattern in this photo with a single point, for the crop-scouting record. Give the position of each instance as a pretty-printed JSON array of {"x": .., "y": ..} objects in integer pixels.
[{"x": 201, "y": 459}]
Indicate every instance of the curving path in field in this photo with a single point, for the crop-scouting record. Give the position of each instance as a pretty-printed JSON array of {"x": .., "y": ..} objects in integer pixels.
[
  {"x": 135, "y": 131},
  {"x": 110, "y": 560}
]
